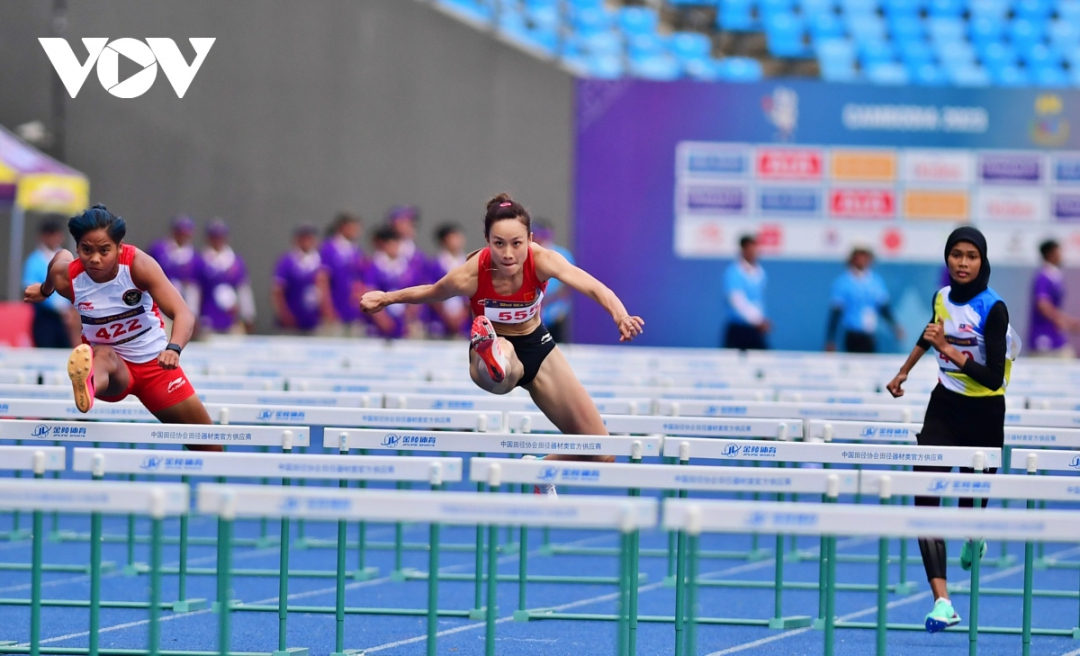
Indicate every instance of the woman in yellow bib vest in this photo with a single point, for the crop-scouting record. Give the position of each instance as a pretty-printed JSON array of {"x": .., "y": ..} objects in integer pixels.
[{"x": 975, "y": 348}]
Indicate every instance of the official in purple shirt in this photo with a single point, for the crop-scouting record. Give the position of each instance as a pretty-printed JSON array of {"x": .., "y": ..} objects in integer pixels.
[
  {"x": 300, "y": 292},
  {"x": 403, "y": 219},
  {"x": 178, "y": 259},
  {"x": 451, "y": 318},
  {"x": 1049, "y": 323},
  {"x": 388, "y": 269},
  {"x": 344, "y": 263},
  {"x": 228, "y": 304}
]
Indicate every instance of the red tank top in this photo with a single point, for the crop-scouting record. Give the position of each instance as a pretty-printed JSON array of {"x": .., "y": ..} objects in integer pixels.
[{"x": 519, "y": 307}]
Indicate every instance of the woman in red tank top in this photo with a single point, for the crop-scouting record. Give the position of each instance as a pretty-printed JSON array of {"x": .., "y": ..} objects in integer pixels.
[{"x": 510, "y": 346}]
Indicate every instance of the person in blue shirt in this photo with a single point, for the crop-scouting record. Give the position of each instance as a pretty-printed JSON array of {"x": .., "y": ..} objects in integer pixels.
[
  {"x": 859, "y": 297},
  {"x": 744, "y": 296},
  {"x": 556, "y": 309},
  {"x": 54, "y": 317}
]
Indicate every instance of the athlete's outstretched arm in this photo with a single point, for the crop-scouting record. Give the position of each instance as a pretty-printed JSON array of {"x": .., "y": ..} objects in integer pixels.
[
  {"x": 895, "y": 385},
  {"x": 57, "y": 280},
  {"x": 551, "y": 264},
  {"x": 459, "y": 281},
  {"x": 147, "y": 275}
]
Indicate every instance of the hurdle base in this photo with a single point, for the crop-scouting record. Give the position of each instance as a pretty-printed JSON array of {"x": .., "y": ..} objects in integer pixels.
[
  {"x": 216, "y": 606},
  {"x": 905, "y": 588},
  {"x": 1008, "y": 560},
  {"x": 1076, "y": 633},
  {"x": 1044, "y": 563},
  {"x": 757, "y": 555},
  {"x": 403, "y": 574},
  {"x": 21, "y": 534},
  {"x": 8, "y": 643},
  {"x": 189, "y": 605},
  {"x": 292, "y": 651},
  {"x": 522, "y": 615},
  {"x": 264, "y": 543},
  {"x": 365, "y": 574},
  {"x": 63, "y": 536},
  {"x": 477, "y": 613},
  {"x": 134, "y": 569},
  {"x": 669, "y": 581},
  {"x": 818, "y": 624},
  {"x": 347, "y": 652},
  {"x": 794, "y": 622}
]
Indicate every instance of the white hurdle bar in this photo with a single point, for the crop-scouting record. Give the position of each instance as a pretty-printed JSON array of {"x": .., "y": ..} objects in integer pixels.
[
  {"x": 626, "y": 406},
  {"x": 860, "y": 431},
  {"x": 1026, "y": 436},
  {"x": 529, "y": 422},
  {"x": 135, "y": 433},
  {"x": 106, "y": 497},
  {"x": 625, "y": 515},
  {"x": 1043, "y": 418},
  {"x": 776, "y": 410},
  {"x": 829, "y": 453},
  {"x": 461, "y": 442},
  {"x": 1046, "y": 460},
  {"x": 263, "y": 465},
  {"x": 26, "y": 458}
]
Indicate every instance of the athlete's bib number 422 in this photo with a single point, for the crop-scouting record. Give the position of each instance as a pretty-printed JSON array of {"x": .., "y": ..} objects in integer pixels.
[{"x": 115, "y": 330}]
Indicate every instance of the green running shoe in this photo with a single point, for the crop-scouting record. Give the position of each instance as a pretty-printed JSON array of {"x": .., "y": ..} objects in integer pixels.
[
  {"x": 942, "y": 617},
  {"x": 965, "y": 554}
]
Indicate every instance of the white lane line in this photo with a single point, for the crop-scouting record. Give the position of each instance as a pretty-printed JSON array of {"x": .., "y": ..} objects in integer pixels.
[
  {"x": 893, "y": 604},
  {"x": 298, "y": 595},
  {"x": 738, "y": 569}
]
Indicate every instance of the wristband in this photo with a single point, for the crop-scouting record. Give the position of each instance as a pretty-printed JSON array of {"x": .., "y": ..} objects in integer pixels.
[{"x": 174, "y": 347}]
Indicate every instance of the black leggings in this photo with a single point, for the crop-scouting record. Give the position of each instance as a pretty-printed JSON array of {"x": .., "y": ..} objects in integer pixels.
[{"x": 933, "y": 549}]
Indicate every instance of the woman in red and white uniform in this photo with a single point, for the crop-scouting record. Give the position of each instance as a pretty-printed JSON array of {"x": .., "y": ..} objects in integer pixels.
[
  {"x": 510, "y": 347},
  {"x": 120, "y": 293}
]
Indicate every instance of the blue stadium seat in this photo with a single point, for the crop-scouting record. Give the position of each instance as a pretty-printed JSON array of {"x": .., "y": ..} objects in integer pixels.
[
  {"x": 956, "y": 55},
  {"x": 969, "y": 76},
  {"x": 1025, "y": 33},
  {"x": 836, "y": 58},
  {"x": 902, "y": 8},
  {"x": 876, "y": 53},
  {"x": 471, "y": 8},
  {"x": 891, "y": 74},
  {"x": 915, "y": 54},
  {"x": 1064, "y": 35},
  {"x": 605, "y": 67},
  {"x": 663, "y": 68},
  {"x": 852, "y": 8},
  {"x": 706, "y": 69},
  {"x": 998, "y": 55},
  {"x": 985, "y": 30},
  {"x": 826, "y": 26},
  {"x": 591, "y": 20},
  {"x": 736, "y": 16},
  {"x": 866, "y": 28},
  {"x": 769, "y": 8},
  {"x": 945, "y": 30},
  {"x": 692, "y": 3},
  {"x": 543, "y": 17},
  {"x": 1041, "y": 56},
  {"x": 811, "y": 9},
  {"x": 946, "y": 8},
  {"x": 1010, "y": 76},
  {"x": 646, "y": 45},
  {"x": 1069, "y": 11},
  {"x": 576, "y": 5},
  {"x": 739, "y": 69},
  {"x": 1033, "y": 10},
  {"x": 1050, "y": 76},
  {"x": 638, "y": 20},
  {"x": 928, "y": 75},
  {"x": 993, "y": 9},
  {"x": 599, "y": 43},
  {"x": 906, "y": 28},
  {"x": 786, "y": 34},
  {"x": 690, "y": 45}
]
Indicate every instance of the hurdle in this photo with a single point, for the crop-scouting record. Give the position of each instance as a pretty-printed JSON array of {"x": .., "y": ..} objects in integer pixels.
[
  {"x": 158, "y": 500},
  {"x": 480, "y": 444},
  {"x": 537, "y": 422},
  {"x": 19, "y": 459},
  {"x": 697, "y": 517},
  {"x": 777, "y": 410},
  {"x": 662, "y": 477},
  {"x": 230, "y": 502},
  {"x": 489, "y": 402}
]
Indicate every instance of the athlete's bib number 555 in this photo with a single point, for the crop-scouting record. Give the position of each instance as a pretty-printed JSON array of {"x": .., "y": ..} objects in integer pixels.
[{"x": 118, "y": 329}]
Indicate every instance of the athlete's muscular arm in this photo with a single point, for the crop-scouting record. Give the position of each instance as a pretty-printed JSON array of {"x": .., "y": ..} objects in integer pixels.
[
  {"x": 550, "y": 264},
  {"x": 56, "y": 281},
  {"x": 459, "y": 281},
  {"x": 895, "y": 386},
  {"x": 147, "y": 275}
]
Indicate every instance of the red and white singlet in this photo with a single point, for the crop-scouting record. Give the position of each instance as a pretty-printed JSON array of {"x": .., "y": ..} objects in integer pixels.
[
  {"x": 117, "y": 313},
  {"x": 519, "y": 307}
]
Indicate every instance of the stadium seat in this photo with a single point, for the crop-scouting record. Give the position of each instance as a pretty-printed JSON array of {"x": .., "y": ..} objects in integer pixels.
[
  {"x": 945, "y": 30},
  {"x": 600, "y": 43},
  {"x": 858, "y": 8},
  {"x": 811, "y": 9},
  {"x": 876, "y": 53},
  {"x": 690, "y": 45},
  {"x": 577, "y": 5},
  {"x": 1032, "y": 10},
  {"x": 785, "y": 34},
  {"x": 661, "y": 68},
  {"x": 1069, "y": 11},
  {"x": 985, "y": 31},
  {"x": 998, "y": 55},
  {"x": 1064, "y": 35},
  {"x": 836, "y": 58},
  {"x": 1049, "y": 76},
  {"x": 971, "y": 75},
  {"x": 736, "y": 16},
  {"x": 638, "y": 20},
  {"x": 890, "y": 74},
  {"x": 705, "y": 69},
  {"x": 915, "y": 53},
  {"x": 992, "y": 9},
  {"x": 1010, "y": 76},
  {"x": 956, "y": 54},
  {"x": 825, "y": 27},
  {"x": 770, "y": 8},
  {"x": 906, "y": 28},
  {"x": 946, "y": 8},
  {"x": 591, "y": 20},
  {"x": 472, "y": 8},
  {"x": 927, "y": 75},
  {"x": 1041, "y": 56},
  {"x": 1025, "y": 33},
  {"x": 604, "y": 67},
  {"x": 902, "y": 8},
  {"x": 739, "y": 69},
  {"x": 866, "y": 28}
]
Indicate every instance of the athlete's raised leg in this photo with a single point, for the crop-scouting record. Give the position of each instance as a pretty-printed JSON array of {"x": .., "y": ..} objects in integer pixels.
[
  {"x": 95, "y": 372},
  {"x": 493, "y": 364},
  {"x": 189, "y": 411},
  {"x": 563, "y": 399}
]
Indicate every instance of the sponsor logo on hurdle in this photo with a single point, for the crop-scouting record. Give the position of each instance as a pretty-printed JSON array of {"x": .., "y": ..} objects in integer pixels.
[
  {"x": 280, "y": 415},
  {"x": 961, "y": 487},
  {"x": 289, "y": 504},
  {"x": 748, "y": 451},
  {"x": 1075, "y": 462},
  {"x": 731, "y": 450},
  {"x": 548, "y": 474},
  {"x": 568, "y": 475},
  {"x": 755, "y": 519},
  {"x": 42, "y": 431},
  {"x": 884, "y": 432},
  {"x": 759, "y": 519},
  {"x": 393, "y": 441},
  {"x": 294, "y": 504},
  {"x": 159, "y": 463},
  {"x": 937, "y": 486}
]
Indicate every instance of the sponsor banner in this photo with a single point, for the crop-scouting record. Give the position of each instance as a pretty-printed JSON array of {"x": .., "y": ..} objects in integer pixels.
[
  {"x": 1010, "y": 205},
  {"x": 789, "y": 201},
  {"x": 710, "y": 160},
  {"x": 1067, "y": 207},
  {"x": 789, "y": 164},
  {"x": 938, "y": 167},
  {"x": 933, "y": 204},
  {"x": 1011, "y": 168},
  {"x": 1067, "y": 169},
  {"x": 863, "y": 165},
  {"x": 714, "y": 199},
  {"x": 859, "y": 203}
]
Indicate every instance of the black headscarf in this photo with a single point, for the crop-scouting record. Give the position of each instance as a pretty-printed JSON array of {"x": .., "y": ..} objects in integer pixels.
[{"x": 964, "y": 292}]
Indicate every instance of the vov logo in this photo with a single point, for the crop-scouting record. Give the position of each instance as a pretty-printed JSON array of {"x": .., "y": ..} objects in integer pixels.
[{"x": 106, "y": 54}]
